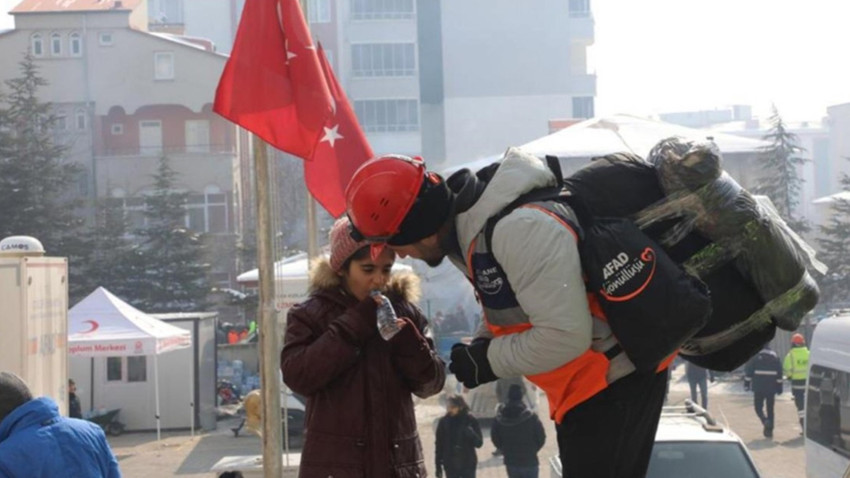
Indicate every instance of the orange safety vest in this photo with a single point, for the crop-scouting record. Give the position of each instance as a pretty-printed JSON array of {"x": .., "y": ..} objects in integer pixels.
[{"x": 579, "y": 379}]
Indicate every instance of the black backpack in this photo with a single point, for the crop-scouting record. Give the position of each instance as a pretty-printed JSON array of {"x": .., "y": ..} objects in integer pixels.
[{"x": 651, "y": 304}]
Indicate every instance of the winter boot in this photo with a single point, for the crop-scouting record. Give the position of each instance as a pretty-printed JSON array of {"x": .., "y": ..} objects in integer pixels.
[{"x": 768, "y": 429}]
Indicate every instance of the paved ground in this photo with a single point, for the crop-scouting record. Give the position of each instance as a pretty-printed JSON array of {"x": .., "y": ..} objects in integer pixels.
[{"x": 178, "y": 454}]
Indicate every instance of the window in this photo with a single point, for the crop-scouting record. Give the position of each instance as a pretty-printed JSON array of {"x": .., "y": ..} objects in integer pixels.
[
  {"x": 579, "y": 8},
  {"x": 197, "y": 136},
  {"x": 163, "y": 65},
  {"x": 56, "y": 44},
  {"x": 114, "y": 369},
  {"x": 105, "y": 38},
  {"x": 381, "y": 9},
  {"x": 137, "y": 369},
  {"x": 150, "y": 138},
  {"x": 75, "y": 44},
  {"x": 117, "y": 129},
  {"x": 83, "y": 182},
  {"x": 37, "y": 45},
  {"x": 134, "y": 368},
  {"x": 387, "y": 115},
  {"x": 207, "y": 212},
  {"x": 827, "y": 398},
  {"x": 61, "y": 122},
  {"x": 583, "y": 107},
  {"x": 681, "y": 458},
  {"x": 319, "y": 11},
  {"x": 80, "y": 119},
  {"x": 383, "y": 59}
]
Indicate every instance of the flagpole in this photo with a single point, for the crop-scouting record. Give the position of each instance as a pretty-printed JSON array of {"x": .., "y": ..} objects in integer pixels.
[
  {"x": 312, "y": 236},
  {"x": 269, "y": 367}
]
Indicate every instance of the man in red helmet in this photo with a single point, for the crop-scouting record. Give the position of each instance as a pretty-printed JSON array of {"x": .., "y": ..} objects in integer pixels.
[
  {"x": 527, "y": 274},
  {"x": 796, "y": 369}
]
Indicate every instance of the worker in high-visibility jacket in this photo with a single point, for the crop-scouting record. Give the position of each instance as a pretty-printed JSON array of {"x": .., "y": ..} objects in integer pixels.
[{"x": 796, "y": 369}]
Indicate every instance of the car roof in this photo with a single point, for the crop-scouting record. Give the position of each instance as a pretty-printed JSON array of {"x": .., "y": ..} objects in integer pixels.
[{"x": 680, "y": 424}]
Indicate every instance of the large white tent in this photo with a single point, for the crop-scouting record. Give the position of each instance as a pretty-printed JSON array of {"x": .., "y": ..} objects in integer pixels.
[
  {"x": 613, "y": 134},
  {"x": 102, "y": 325}
]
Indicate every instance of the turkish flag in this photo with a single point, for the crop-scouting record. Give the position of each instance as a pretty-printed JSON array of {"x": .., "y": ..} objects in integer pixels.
[
  {"x": 341, "y": 150},
  {"x": 273, "y": 85}
]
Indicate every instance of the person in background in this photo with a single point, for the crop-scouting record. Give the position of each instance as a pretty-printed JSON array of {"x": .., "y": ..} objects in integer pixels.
[
  {"x": 763, "y": 375},
  {"x": 698, "y": 377},
  {"x": 37, "y": 442},
  {"x": 458, "y": 435},
  {"x": 503, "y": 388},
  {"x": 519, "y": 433},
  {"x": 360, "y": 419},
  {"x": 75, "y": 410},
  {"x": 796, "y": 369}
]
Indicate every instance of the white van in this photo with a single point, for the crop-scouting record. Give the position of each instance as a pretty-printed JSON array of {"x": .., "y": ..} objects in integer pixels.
[{"x": 828, "y": 400}]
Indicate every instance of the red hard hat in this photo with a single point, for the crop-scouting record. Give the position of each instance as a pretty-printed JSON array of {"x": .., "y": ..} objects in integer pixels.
[
  {"x": 381, "y": 193},
  {"x": 798, "y": 339}
]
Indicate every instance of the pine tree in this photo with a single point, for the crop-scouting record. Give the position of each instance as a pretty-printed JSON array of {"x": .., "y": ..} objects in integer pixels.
[
  {"x": 781, "y": 182},
  {"x": 174, "y": 276},
  {"x": 835, "y": 244},
  {"x": 114, "y": 260},
  {"x": 35, "y": 182}
]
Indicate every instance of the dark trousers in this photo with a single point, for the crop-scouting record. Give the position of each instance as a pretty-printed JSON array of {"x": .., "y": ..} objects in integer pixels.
[
  {"x": 798, "y": 389},
  {"x": 760, "y": 399},
  {"x": 523, "y": 471},
  {"x": 470, "y": 473},
  {"x": 611, "y": 435},
  {"x": 702, "y": 383}
]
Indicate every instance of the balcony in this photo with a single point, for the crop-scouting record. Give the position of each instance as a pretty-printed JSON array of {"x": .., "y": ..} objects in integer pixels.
[{"x": 581, "y": 27}]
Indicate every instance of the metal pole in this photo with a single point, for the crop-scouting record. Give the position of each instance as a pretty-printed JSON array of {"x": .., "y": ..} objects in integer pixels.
[
  {"x": 312, "y": 242},
  {"x": 156, "y": 391},
  {"x": 269, "y": 367},
  {"x": 192, "y": 386}
]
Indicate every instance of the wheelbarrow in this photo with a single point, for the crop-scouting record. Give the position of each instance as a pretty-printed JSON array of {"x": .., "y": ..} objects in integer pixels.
[{"x": 108, "y": 420}]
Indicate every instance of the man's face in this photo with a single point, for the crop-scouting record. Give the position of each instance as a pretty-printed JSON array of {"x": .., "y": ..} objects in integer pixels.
[
  {"x": 72, "y": 387},
  {"x": 427, "y": 250}
]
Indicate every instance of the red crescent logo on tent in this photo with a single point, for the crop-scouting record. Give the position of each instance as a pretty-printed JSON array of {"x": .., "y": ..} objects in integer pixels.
[{"x": 94, "y": 326}]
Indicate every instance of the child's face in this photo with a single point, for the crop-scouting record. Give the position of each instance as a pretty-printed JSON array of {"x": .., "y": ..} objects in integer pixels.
[{"x": 366, "y": 275}]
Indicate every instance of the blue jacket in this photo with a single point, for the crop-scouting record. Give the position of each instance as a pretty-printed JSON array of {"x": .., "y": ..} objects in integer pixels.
[{"x": 36, "y": 442}]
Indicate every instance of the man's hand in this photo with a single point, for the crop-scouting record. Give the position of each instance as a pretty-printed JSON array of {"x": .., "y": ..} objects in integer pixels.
[{"x": 470, "y": 364}]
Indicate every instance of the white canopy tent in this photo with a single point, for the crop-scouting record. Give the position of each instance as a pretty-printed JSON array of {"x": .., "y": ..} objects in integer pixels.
[
  {"x": 613, "y": 134},
  {"x": 102, "y": 325}
]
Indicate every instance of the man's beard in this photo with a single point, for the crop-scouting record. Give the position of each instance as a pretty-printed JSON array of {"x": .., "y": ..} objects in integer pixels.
[{"x": 434, "y": 262}]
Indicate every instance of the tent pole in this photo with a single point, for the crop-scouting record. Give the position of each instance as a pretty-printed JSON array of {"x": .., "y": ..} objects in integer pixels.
[
  {"x": 91, "y": 385},
  {"x": 192, "y": 388},
  {"x": 156, "y": 391}
]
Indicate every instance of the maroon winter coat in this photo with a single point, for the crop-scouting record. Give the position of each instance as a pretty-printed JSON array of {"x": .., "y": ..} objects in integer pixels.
[{"x": 360, "y": 420}]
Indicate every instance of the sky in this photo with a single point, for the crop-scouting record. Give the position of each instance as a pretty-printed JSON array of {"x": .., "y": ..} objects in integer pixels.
[{"x": 657, "y": 56}]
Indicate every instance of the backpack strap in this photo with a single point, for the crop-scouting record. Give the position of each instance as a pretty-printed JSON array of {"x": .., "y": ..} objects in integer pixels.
[{"x": 552, "y": 193}]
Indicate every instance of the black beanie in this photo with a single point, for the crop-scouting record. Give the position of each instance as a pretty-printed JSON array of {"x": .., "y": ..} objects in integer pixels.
[
  {"x": 13, "y": 393},
  {"x": 514, "y": 393},
  {"x": 428, "y": 213}
]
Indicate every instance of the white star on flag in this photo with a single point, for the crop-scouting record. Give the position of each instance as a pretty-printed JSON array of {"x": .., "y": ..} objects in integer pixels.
[{"x": 331, "y": 135}]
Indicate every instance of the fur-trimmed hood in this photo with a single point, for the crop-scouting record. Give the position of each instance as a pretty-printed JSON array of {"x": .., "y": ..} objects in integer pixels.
[{"x": 403, "y": 285}]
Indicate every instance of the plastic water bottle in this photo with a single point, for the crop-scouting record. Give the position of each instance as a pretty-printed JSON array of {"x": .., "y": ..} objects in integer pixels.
[{"x": 386, "y": 317}]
